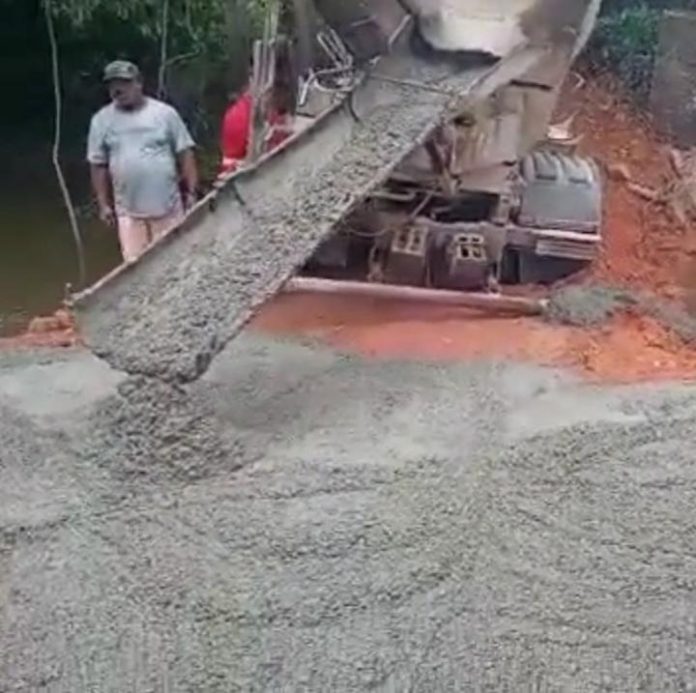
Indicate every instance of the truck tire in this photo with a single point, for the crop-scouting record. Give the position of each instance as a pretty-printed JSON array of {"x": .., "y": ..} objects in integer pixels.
[{"x": 561, "y": 191}]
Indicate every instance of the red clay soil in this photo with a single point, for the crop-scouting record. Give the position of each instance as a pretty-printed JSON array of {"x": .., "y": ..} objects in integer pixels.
[
  {"x": 57, "y": 330},
  {"x": 643, "y": 248},
  {"x": 627, "y": 349}
]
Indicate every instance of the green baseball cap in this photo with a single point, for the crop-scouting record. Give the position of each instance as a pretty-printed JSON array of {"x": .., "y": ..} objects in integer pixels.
[{"x": 121, "y": 69}]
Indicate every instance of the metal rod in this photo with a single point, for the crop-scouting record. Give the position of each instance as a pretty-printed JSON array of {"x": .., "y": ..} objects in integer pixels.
[
  {"x": 411, "y": 84},
  {"x": 497, "y": 303}
]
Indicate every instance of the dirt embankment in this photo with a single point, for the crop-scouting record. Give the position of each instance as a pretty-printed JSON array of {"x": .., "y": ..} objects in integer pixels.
[
  {"x": 57, "y": 330},
  {"x": 647, "y": 249},
  {"x": 646, "y": 245}
]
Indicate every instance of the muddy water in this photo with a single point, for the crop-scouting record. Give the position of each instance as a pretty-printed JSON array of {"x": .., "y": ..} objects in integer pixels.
[{"x": 37, "y": 250}]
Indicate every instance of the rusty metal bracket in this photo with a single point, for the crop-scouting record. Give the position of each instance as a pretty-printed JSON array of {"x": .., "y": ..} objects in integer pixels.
[
  {"x": 467, "y": 261},
  {"x": 408, "y": 254}
]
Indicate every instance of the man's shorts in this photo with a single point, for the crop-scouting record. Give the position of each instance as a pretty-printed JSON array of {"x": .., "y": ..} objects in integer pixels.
[{"x": 135, "y": 234}]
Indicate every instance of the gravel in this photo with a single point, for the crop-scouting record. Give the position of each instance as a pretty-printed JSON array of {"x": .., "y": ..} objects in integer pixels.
[
  {"x": 672, "y": 315},
  {"x": 588, "y": 305},
  {"x": 593, "y": 305},
  {"x": 359, "y": 526}
]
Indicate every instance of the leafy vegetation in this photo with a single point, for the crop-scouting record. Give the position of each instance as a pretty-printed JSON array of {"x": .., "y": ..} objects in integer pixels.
[
  {"x": 626, "y": 38},
  {"x": 195, "y": 50},
  {"x": 203, "y": 46}
]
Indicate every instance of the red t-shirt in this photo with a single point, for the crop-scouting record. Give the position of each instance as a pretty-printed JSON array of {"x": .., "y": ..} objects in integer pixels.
[{"x": 236, "y": 128}]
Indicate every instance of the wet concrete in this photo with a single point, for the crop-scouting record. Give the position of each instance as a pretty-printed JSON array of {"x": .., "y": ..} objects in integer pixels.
[
  {"x": 362, "y": 526},
  {"x": 595, "y": 304},
  {"x": 588, "y": 305},
  {"x": 673, "y": 315}
]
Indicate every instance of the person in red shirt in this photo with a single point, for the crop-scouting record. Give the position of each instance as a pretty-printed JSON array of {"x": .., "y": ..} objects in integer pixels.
[{"x": 236, "y": 128}]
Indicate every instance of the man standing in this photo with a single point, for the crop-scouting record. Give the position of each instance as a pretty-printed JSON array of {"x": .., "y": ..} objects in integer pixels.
[{"x": 139, "y": 151}]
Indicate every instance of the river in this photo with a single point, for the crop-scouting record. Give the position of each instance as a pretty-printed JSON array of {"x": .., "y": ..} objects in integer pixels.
[{"x": 38, "y": 255}]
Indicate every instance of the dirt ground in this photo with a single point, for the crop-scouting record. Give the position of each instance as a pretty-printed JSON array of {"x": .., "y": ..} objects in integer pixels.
[{"x": 645, "y": 248}]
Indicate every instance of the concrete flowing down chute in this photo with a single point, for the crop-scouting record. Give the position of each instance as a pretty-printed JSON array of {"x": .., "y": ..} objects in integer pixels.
[{"x": 386, "y": 75}]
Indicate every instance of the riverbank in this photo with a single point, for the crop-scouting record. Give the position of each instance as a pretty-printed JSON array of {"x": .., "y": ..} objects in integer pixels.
[{"x": 39, "y": 256}]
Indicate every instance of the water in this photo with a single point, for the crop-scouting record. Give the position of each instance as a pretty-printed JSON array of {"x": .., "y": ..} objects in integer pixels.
[
  {"x": 38, "y": 257},
  {"x": 37, "y": 251}
]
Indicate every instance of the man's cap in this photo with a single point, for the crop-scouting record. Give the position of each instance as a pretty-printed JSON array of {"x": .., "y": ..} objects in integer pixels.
[{"x": 121, "y": 69}]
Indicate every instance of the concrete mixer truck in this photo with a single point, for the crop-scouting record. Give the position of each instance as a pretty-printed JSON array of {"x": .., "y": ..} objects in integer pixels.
[{"x": 495, "y": 194}]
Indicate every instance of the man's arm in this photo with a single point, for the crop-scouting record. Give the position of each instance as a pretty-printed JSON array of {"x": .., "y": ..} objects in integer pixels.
[
  {"x": 189, "y": 174},
  {"x": 183, "y": 145},
  {"x": 101, "y": 184},
  {"x": 98, "y": 157}
]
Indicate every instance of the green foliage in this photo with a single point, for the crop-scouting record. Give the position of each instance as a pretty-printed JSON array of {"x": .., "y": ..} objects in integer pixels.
[
  {"x": 80, "y": 12},
  {"x": 206, "y": 53},
  {"x": 626, "y": 38},
  {"x": 194, "y": 27},
  {"x": 625, "y": 42},
  {"x": 201, "y": 17}
]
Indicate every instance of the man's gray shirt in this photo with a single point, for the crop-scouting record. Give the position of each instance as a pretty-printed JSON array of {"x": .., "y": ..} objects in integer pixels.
[{"x": 140, "y": 148}]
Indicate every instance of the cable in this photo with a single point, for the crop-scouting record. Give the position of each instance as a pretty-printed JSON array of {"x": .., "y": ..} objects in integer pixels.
[
  {"x": 164, "y": 40},
  {"x": 57, "y": 141}
]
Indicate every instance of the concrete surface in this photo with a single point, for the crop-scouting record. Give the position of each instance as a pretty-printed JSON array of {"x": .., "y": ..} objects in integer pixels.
[
  {"x": 588, "y": 305},
  {"x": 595, "y": 304},
  {"x": 303, "y": 520}
]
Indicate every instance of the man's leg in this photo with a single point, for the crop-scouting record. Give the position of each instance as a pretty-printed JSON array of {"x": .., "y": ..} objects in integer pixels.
[
  {"x": 159, "y": 227},
  {"x": 133, "y": 236}
]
